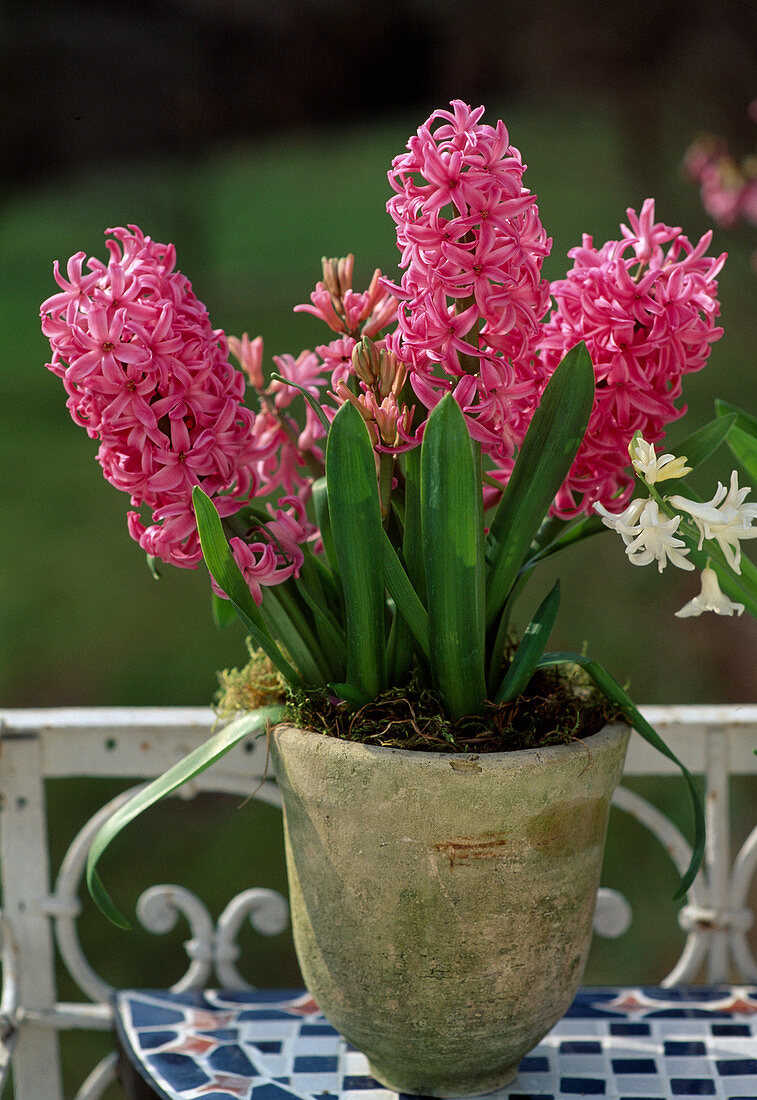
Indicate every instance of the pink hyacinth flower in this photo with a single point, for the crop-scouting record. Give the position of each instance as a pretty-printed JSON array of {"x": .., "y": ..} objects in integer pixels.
[
  {"x": 471, "y": 296},
  {"x": 148, "y": 376},
  {"x": 645, "y": 306}
]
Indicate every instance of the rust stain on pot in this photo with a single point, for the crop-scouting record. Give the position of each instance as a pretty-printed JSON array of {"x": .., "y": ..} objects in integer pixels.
[
  {"x": 465, "y": 849},
  {"x": 466, "y": 765},
  {"x": 557, "y": 833}
]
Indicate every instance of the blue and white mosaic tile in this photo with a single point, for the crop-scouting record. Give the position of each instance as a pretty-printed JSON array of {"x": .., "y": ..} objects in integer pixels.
[{"x": 620, "y": 1044}]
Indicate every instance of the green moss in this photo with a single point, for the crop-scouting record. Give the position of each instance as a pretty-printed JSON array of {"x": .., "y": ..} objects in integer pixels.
[{"x": 257, "y": 684}]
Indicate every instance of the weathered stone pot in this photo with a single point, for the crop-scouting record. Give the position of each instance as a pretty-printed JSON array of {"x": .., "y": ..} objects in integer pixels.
[{"x": 442, "y": 903}]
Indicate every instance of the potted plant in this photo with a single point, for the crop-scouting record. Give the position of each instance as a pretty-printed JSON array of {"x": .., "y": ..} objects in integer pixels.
[{"x": 446, "y": 786}]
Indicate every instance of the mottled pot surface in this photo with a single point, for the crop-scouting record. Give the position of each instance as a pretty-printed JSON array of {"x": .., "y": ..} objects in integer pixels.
[{"x": 442, "y": 903}]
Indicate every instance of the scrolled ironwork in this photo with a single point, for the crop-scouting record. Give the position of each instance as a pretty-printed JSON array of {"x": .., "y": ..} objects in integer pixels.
[
  {"x": 103, "y": 1075},
  {"x": 210, "y": 948},
  {"x": 613, "y": 914},
  {"x": 268, "y": 914}
]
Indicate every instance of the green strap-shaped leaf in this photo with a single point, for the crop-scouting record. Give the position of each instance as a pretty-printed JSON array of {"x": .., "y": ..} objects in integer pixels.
[
  {"x": 193, "y": 764},
  {"x": 350, "y": 694},
  {"x": 400, "y": 650},
  {"x": 228, "y": 575},
  {"x": 358, "y": 544},
  {"x": 742, "y": 438},
  {"x": 452, "y": 522},
  {"x": 745, "y": 421},
  {"x": 405, "y": 597},
  {"x": 326, "y": 582},
  {"x": 224, "y": 612},
  {"x": 323, "y": 519},
  {"x": 535, "y": 637},
  {"x": 705, "y": 440},
  {"x": 612, "y": 690},
  {"x": 313, "y": 577},
  {"x": 407, "y": 521},
  {"x": 583, "y": 528},
  {"x": 496, "y": 648},
  {"x": 290, "y": 624},
  {"x": 412, "y": 535},
  {"x": 554, "y": 435}
]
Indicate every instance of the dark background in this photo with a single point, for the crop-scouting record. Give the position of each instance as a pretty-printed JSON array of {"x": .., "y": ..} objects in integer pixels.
[{"x": 88, "y": 82}]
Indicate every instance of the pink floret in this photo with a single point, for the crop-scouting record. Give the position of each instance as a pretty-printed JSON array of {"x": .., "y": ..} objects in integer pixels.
[{"x": 278, "y": 555}]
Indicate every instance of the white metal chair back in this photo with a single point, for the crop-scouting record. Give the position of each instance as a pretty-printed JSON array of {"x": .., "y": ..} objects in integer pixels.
[{"x": 39, "y": 919}]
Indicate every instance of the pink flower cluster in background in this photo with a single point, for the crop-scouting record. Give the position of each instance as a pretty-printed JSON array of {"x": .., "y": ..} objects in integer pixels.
[
  {"x": 471, "y": 296},
  {"x": 148, "y": 376},
  {"x": 728, "y": 188},
  {"x": 646, "y": 307}
]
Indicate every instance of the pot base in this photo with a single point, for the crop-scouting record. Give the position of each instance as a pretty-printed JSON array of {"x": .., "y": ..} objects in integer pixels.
[{"x": 480, "y": 1085}]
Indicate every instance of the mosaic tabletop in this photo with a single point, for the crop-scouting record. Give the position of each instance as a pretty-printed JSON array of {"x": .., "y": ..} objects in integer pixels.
[{"x": 622, "y": 1044}]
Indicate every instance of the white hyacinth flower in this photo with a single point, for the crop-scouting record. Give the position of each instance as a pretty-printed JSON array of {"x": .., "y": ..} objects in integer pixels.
[
  {"x": 710, "y": 598},
  {"x": 648, "y": 537},
  {"x": 625, "y": 522},
  {"x": 725, "y": 518},
  {"x": 653, "y": 467}
]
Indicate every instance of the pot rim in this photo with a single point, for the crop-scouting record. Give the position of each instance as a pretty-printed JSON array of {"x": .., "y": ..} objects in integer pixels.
[{"x": 609, "y": 733}]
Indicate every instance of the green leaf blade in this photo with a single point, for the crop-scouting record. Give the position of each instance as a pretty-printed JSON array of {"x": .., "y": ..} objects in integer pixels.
[
  {"x": 290, "y": 624},
  {"x": 452, "y": 524},
  {"x": 223, "y": 611},
  {"x": 583, "y": 528},
  {"x": 698, "y": 446},
  {"x": 531, "y": 648},
  {"x": 546, "y": 455},
  {"x": 742, "y": 438},
  {"x": 357, "y": 533},
  {"x": 323, "y": 519},
  {"x": 314, "y": 405},
  {"x": 405, "y": 597},
  {"x": 186, "y": 769},
  {"x": 612, "y": 691},
  {"x": 228, "y": 575}
]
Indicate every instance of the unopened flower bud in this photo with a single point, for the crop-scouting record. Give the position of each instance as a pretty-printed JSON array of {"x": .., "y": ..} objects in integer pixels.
[
  {"x": 366, "y": 362},
  {"x": 250, "y": 355},
  {"x": 392, "y": 374},
  {"x": 653, "y": 467},
  {"x": 386, "y": 416},
  {"x": 337, "y": 275}
]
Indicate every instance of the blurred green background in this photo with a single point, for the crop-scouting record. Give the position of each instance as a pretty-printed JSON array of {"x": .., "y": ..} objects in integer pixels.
[{"x": 263, "y": 146}]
